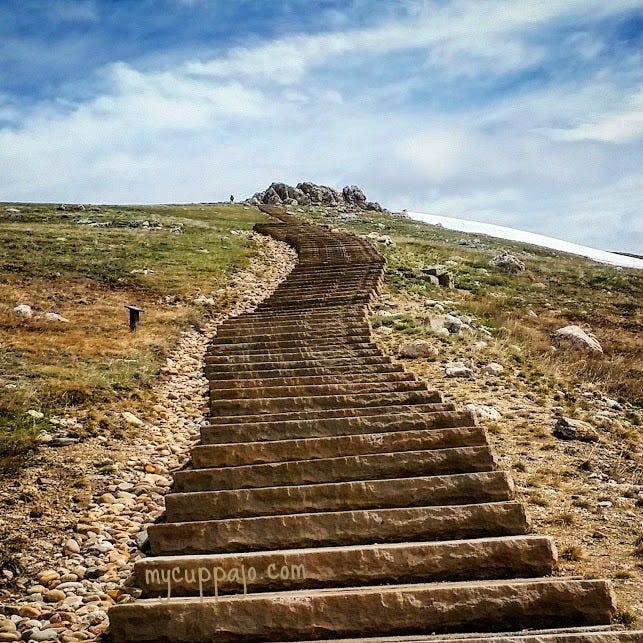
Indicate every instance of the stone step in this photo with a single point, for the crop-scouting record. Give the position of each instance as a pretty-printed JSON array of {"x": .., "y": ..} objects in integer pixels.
[
  {"x": 341, "y": 347},
  {"x": 378, "y": 364},
  {"x": 282, "y": 357},
  {"x": 344, "y": 362},
  {"x": 314, "y": 390},
  {"x": 241, "y": 453},
  {"x": 327, "y": 529},
  {"x": 234, "y": 335},
  {"x": 349, "y": 378},
  {"x": 397, "y": 464},
  {"x": 352, "y": 313},
  {"x": 588, "y": 634},
  {"x": 284, "y": 426},
  {"x": 295, "y": 303},
  {"x": 255, "y": 406},
  {"x": 242, "y": 345},
  {"x": 359, "y": 370},
  {"x": 384, "y": 493},
  {"x": 292, "y": 330},
  {"x": 414, "y": 562},
  {"x": 489, "y": 606}
]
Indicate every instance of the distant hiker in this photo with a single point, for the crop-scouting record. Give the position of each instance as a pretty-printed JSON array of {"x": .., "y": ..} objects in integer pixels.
[{"x": 232, "y": 198}]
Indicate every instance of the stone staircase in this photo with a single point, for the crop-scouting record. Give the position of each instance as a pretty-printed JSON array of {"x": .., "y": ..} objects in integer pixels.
[{"x": 334, "y": 497}]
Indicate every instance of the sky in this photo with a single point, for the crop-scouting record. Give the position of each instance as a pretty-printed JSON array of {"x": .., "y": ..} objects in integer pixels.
[{"x": 526, "y": 114}]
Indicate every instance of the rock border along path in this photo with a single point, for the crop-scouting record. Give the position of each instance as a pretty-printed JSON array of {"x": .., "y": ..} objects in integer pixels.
[{"x": 333, "y": 496}]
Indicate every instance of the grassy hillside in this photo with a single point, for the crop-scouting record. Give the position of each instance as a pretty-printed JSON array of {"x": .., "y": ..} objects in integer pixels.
[
  {"x": 556, "y": 290},
  {"x": 85, "y": 266}
]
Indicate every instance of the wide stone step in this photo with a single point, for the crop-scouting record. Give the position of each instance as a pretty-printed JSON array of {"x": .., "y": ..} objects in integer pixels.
[
  {"x": 315, "y": 390},
  {"x": 322, "y": 350},
  {"x": 255, "y": 406},
  {"x": 398, "y": 464},
  {"x": 306, "y": 343},
  {"x": 333, "y": 371},
  {"x": 283, "y": 356},
  {"x": 265, "y": 332},
  {"x": 368, "y": 611},
  {"x": 313, "y": 380},
  {"x": 282, "y": 570},
  {"x": 588, "y": 634},
  {"x": 347, "y": 364},
  {"x": 348, "y": 422},
  {"x": 242, "y": 453},
  {"x": 459, "y": 489},
  {"x": 262, "y": 334},
  {"x": 296, "y": 531}
]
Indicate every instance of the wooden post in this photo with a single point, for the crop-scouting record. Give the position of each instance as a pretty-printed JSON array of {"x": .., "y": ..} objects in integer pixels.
[{"x": 134, "y": 316}]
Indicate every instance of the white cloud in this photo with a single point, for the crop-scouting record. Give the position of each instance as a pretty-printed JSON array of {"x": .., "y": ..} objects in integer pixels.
[
  {"x": 295, "y": 109},
  {"x": 612, "y": 127}
]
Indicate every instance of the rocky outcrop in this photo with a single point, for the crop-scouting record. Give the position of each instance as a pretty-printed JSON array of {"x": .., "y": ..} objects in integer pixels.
[
  {"x": 507, "y": 261},
  {"x": 307, "y": 193}
]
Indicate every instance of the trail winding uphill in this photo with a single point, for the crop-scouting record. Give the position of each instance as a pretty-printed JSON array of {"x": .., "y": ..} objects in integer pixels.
[{"x": 333, "y": 496}]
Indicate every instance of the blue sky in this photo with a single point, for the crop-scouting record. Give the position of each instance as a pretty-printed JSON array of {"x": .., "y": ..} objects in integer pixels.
[{"x": 527, "y": 114}]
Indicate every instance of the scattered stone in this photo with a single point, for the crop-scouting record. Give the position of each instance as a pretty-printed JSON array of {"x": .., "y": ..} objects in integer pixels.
[
  {"x": 54, "y": 596},
  {"x": 571, "y": 429},
  {"x": 55, "y": 317},
  {"x": 29, "y": 611},
  {"x": 23, "y": 310},
  {"x": 50, "y": 634},
  {"x": 507, "y": 261},
  {"x": 459, "y": 370},
  {"x": 72, "y": 547},
  {"x": 604, "y": 504},
  {"x": 453, "y": 324},
  {"x": 576, "y": 337},
  {"x": 130, "y": 418},
  {"x": 12, "y": 210},
  {"x": 418, "y": 348},
  {"x": 493, "y": 368},
  {"x": 484, "y": 412},
  {"x": 440, "y": 273},
  {"x": 202, "y": 300},
  {"x": 44, "y": 578},
  {"x": 431, "y": 279}
]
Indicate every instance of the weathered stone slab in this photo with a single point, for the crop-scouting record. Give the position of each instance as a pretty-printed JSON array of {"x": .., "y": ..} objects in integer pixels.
[
  {"x": 483, "y": 558},
  {"x": 339, "y": 528},
  {"x": 388, "y": 610},
  {"x": 242, "y": 453},
  {"x": 401, "y": 464},
  {"x": 460, "y": 489}
]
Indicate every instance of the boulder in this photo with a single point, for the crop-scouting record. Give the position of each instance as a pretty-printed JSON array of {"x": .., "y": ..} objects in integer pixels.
[
  {"x": 440, "y": 273},
  {"x": 453, "y": 324},
  {"x": 432, "y": 279},
  {"x": 576, "y": 337},
  {"x": 12, "y": 210},
  {"x": 507, "y": 261},
  {"x": 353, "y": 195},
  {"x": 23, "y": 310},
  {"x": 570, "y": 429},
  {"x": 493, "y": 368},
  {"x": 418, "y": 348}
]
